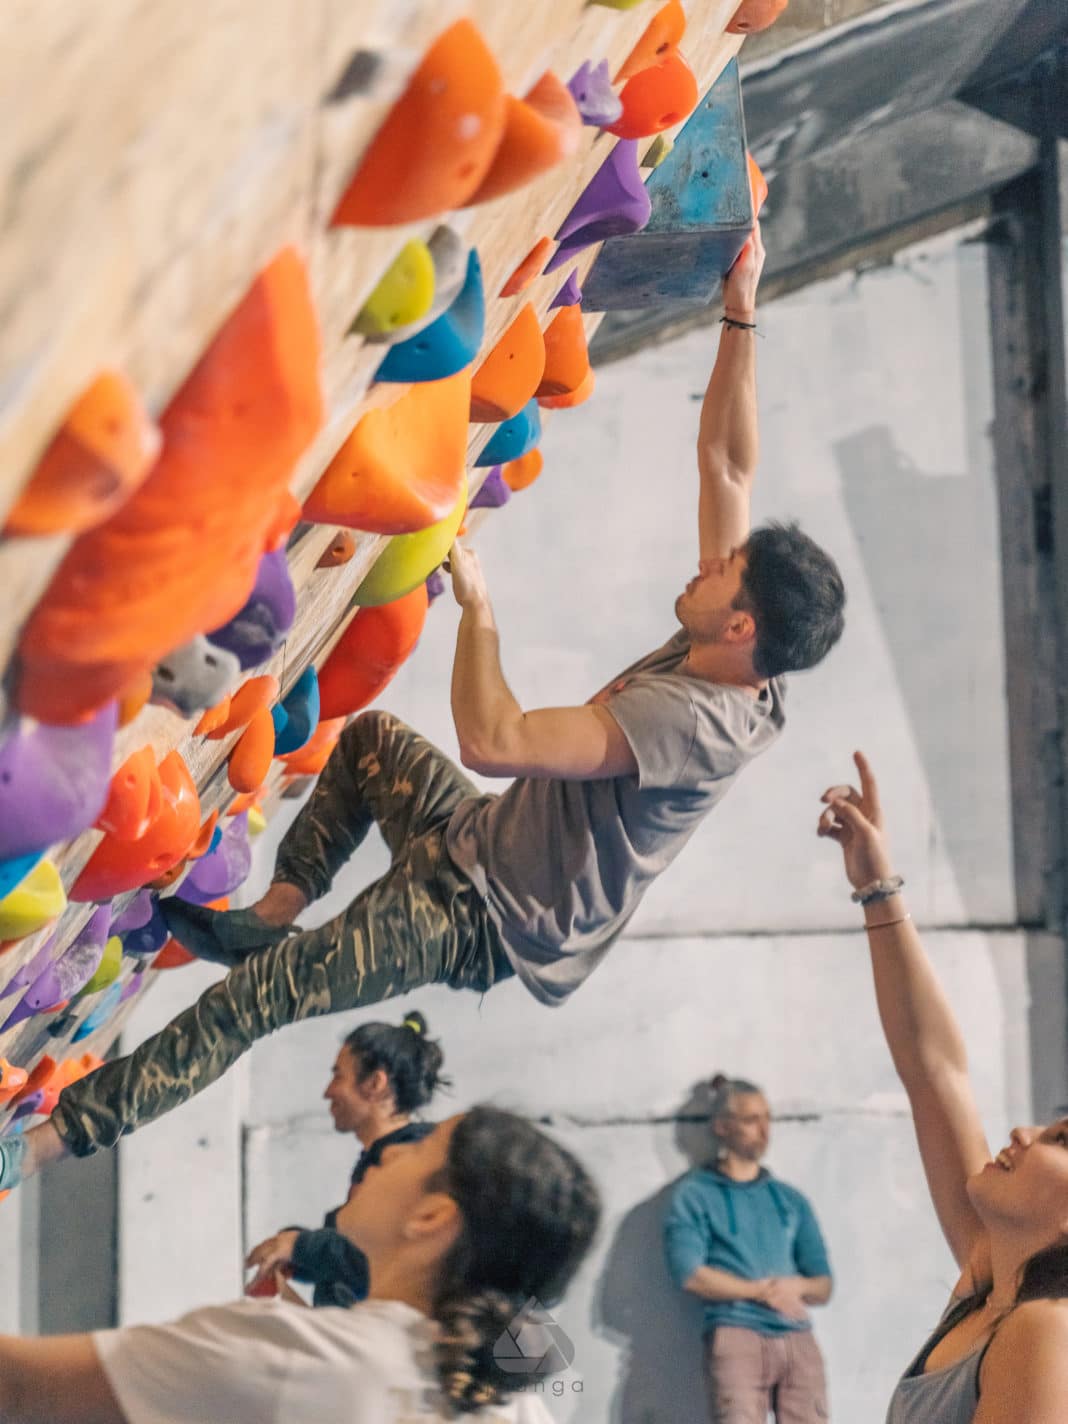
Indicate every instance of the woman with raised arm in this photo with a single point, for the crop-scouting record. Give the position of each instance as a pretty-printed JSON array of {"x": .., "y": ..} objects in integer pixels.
[
  {"x": 466, "y": 1232},
  {"x": 999, "y": 1355}
]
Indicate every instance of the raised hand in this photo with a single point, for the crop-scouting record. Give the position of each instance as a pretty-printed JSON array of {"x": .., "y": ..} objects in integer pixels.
[
  {"x": 855, "y": 820},
  {"x": 270, "y": 1256},
  {"x": 468, "y": 580},
  {"x": 741, "y": 282}
]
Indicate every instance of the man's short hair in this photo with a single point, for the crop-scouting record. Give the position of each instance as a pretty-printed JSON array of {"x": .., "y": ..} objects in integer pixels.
[{"x": 796, "y": 596}]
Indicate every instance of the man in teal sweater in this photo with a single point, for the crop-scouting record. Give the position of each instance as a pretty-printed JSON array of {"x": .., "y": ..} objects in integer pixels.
[{"x": 749, "y": 1246}]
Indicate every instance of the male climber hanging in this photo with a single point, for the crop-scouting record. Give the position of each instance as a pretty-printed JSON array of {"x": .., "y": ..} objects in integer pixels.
[{"x": 537, "y": 881}]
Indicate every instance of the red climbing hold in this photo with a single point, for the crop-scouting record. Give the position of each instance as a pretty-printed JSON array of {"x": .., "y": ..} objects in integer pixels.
[{"x": 371, "y": 650}]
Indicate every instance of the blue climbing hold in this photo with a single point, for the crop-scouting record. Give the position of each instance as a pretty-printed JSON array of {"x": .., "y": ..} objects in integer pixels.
[
  {"x": 514, "y": 437},
  {"x": 301, "y": 710},
  {"x": 100, "y": 1015},
  {"x": 149, "y": 937},
  {"x": 446, "y": 345},
  {"x": 14, "y": 871}
]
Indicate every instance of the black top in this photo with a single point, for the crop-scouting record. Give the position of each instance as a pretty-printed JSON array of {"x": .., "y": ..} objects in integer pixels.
[{"x": 326, "y": 1259}]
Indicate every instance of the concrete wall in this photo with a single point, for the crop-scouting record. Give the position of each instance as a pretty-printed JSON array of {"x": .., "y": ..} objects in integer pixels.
[{"x": 875, "y": 405}]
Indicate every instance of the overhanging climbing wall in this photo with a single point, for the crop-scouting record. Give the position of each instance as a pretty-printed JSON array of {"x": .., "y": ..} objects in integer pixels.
[{"x": 286, "y": 297}]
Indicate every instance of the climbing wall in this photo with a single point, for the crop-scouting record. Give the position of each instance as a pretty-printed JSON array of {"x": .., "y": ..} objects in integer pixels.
[{"x": 288, "y": 299}]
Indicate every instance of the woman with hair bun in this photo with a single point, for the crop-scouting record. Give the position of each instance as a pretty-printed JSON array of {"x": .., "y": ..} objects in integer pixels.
[
  {"x": 466, "y": 1233},
  {"x": 383, "y": 1073}
]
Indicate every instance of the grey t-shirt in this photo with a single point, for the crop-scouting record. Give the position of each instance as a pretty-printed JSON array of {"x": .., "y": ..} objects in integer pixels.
[{"x": 563, "y": 864}]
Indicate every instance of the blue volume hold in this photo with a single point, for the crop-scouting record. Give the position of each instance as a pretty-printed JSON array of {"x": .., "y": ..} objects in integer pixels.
[{"x": 446, "y": 345}]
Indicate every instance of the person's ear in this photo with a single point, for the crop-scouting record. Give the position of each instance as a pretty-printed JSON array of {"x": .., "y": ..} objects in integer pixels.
[
  {"x": 376, "y": 1084},
  {"x": 741, "y": 626},
  {"x": 436, "y": 1216}
]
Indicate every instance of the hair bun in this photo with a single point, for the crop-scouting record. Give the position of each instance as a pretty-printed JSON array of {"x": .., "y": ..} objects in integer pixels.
[
  {"x": 720, "y": 1080},
  {"x": 415, "y": 1022}
]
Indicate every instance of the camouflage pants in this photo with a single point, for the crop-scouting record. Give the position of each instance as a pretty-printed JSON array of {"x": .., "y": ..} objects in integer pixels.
[{"x": 421, "y": 923}]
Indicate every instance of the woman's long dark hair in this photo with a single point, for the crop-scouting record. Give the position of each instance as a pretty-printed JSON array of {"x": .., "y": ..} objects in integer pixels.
[
  {"x": 411, "y": 1061},
  {"x": 1045, "y": 1275},
  {"x": 530, "y": 1211}
]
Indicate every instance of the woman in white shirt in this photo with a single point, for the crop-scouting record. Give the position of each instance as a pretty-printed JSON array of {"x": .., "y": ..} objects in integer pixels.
[{"x": 467, "y": 1233}]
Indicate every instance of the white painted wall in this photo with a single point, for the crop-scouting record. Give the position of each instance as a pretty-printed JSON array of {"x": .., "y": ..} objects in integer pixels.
[{"x": 875, "y": 405}]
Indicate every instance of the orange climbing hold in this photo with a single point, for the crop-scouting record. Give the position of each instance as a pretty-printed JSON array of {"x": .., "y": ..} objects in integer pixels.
[
  {"x": 314, "y": 754},
  {"x": 518, "y": 474},
  {"x": 540, "y": 131},
  {"x": 100, "y": 454},
  {"x": 244, "y": 802},
  {"x": 134, "y": 797},
  {"x": 370, "y": 652},
  {"x": 582, "y": 392},
  {"x": 758, "y": 184},
  {"x": 250, "y": 760},
  {"x": 133, "y": 697},
  {"x": 12, "y": 1080},
  {"x": 402, "y": 467},
  {"x": 532, "y": 266},
  {"x": 213, "y": 718},
  {"x": 181, "y": 555},
  {"x": 39, "y": 1078},
  {"x": 251, "y": 697},
  {"x": 202, "y": 844},
  {"x": 117, "y": 865},
  {"x": 661, "y": 35},
  {"x": 437, "y": 142},
  {"x": 340, "y": 551},
  {"x": 656, "y": 98},
  {"x": 567, "y": 360},
  {"x": 172, "y": 956},
  {"x": 510, "y": 374},
  {"x": 754, "y": 15}
]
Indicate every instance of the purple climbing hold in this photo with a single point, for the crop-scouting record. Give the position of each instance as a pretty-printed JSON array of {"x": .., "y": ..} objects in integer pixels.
[
  {"x": 595, "y": 99},
  {"x": 569, "y": 295},
  {"x": 130, "y": 988},
  {"x": 435, "y": 585},
  {"x": 222, "y": 870},
  {"x": 69, "y": 973},
  {"x": 53, "y": 781},
  {"x": 136, "y": 914},
  {"x": 24, "y": 977},
  {"x": 150, "y": 936},
  {"x": 259, "y": 629},
  {"x": 494, "y": 491},
  {"x": 613, "y": 204}
]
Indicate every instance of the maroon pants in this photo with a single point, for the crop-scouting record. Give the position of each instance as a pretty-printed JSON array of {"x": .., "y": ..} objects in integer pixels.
[{"x": 749, "y": 1376}]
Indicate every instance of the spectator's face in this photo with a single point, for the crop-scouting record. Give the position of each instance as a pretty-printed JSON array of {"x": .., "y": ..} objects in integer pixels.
[
  {"x": 392, "y": 1207},
  {"x": 352, "y": 1102},
  {"x": 745, "y": 1128}
]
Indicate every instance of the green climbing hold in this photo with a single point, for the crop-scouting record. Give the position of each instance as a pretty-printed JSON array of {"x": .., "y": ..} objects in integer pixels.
[
  {"x": 403, "y": 295},
  {"x": 107, "y": 971}
]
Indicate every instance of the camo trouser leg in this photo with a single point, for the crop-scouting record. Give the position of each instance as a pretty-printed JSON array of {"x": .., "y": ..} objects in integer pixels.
[
  {"x": 421, "y": 923},
  {"x": 380, "y": 771}
]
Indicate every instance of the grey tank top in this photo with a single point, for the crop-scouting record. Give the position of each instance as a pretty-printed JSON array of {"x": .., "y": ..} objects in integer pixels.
[{"x": 946, "y": 1396}]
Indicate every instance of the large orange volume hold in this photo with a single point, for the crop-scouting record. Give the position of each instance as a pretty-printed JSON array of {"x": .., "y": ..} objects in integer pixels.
[
  {"x": 754, "y": 15},
  {"x": 540, "y": 131},
  {"x": 402, "y": 467},
  {"x": 180, "y": 556},
  {"x": 567, "y": 361},
  {"x": 510, "y": 374},
  {"x": 100, "y": 454},
  {"x": 371, "y": 650},
  {"x": 437, "y": 142}
]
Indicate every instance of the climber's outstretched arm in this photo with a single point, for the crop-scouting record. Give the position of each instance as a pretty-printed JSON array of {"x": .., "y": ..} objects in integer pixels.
[
  {"x": 497, "y": 738},
  {"x": 728, "y": 443}
]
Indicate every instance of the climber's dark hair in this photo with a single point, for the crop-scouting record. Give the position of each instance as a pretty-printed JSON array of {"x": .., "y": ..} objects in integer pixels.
[
  {"x": 795, "y": 593},
  {"x": 530, "y": 1211},
  {"x": 722, "y": 1090},
  {"x": 411, "y": 1061}
]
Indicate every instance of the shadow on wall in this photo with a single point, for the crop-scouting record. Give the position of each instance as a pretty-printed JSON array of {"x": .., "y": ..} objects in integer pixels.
[{"x": 655, "y": 1327}]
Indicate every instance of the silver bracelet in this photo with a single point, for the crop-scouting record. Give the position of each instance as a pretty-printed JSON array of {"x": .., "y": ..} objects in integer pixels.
[{"x": 877, "y": 890}]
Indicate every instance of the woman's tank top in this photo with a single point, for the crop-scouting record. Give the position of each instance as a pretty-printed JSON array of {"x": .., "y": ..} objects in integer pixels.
[{"x": 946, "y": 1396}]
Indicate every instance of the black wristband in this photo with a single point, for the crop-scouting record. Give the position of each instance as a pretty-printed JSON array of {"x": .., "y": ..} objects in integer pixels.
[{"x": 733, "y": 324}]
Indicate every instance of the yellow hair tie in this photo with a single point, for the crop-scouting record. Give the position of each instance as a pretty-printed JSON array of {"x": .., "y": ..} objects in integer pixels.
[{"x": 414, "y": 1025}]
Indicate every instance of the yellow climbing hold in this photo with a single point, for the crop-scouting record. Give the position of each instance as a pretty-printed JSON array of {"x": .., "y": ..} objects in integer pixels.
[
  {"x": 402, "y": 296},
  {"x": 257, "y": 821},
  {"x": 616, "y": 4},
  {"x": 657, "y": 151},
  {"x": 408, "y": 559},
  {"x": 107, "y": 971},
  {"x": 33, "y": 902}
]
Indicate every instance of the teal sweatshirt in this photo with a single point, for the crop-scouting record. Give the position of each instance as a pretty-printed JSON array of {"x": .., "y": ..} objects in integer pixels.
[{"x": 752, "y": 1229}]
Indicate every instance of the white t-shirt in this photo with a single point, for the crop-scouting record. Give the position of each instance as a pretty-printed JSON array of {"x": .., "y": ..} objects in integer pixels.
[{"x": 268, "y": 1361}]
